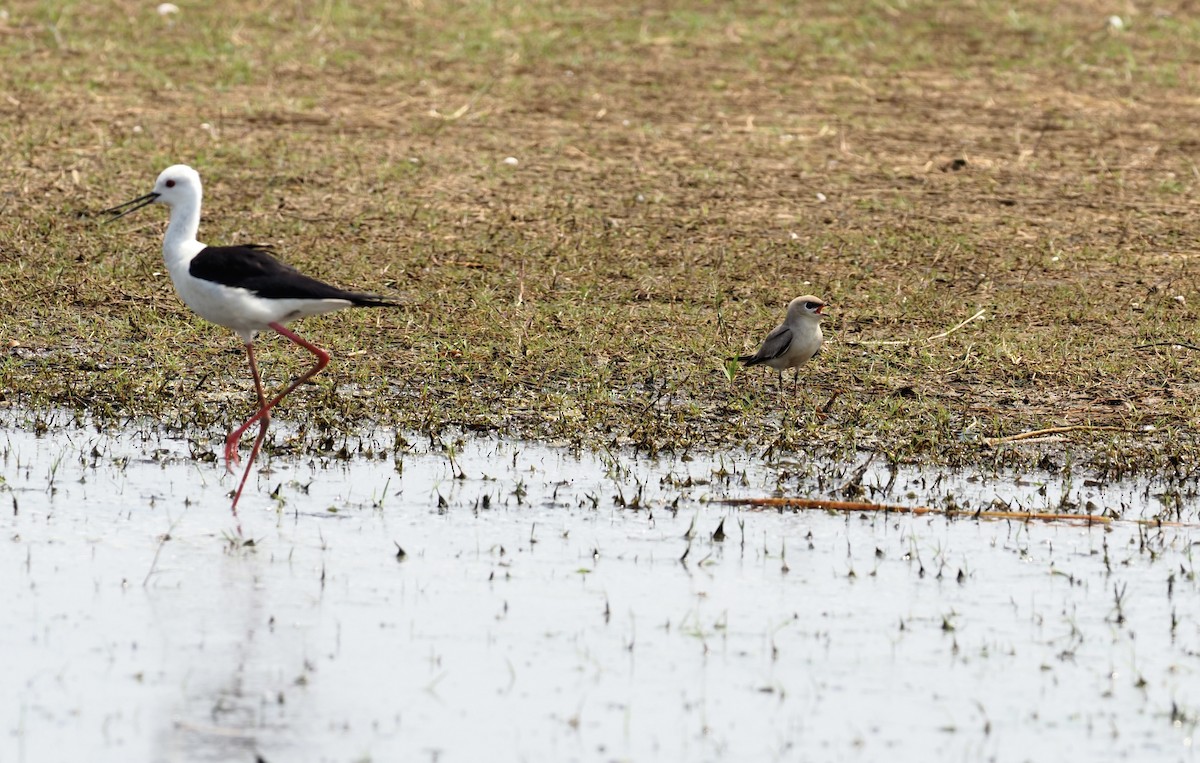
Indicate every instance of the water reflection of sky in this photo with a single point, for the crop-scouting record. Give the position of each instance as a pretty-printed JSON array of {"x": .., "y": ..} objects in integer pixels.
[{"x": 533, "y": 618}]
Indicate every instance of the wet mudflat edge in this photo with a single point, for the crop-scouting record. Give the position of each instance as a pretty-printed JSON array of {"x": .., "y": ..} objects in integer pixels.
[{"x": 551, "y": 605}]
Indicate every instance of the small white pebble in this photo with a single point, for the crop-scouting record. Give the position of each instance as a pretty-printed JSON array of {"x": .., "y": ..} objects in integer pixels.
[
  {"x": 137, "y": 128},
  {"x": 205, "y": 126},
  {"x": 166, "y": 9},
  {"x": 511, "y": 161},
  {"x": 640, "y": 198},
  {"x": 820, "y": 197},
  {"x": 795, "y": 236},
  {"x": 1180, "y": 299},
  {"x": 1054, "y": 258},
  {"x": 624, "y": 122},
  {"x": 3, "y": 14},
  {"x": 1116, "y": 22},
  {"x": 413, "y": 160}
]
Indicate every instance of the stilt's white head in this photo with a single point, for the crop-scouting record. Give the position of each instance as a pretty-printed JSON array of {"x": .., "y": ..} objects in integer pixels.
[{"x": 177, "y": 184}]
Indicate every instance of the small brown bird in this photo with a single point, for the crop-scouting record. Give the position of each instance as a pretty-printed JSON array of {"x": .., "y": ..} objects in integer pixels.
[{"x": 793, "y": 342}]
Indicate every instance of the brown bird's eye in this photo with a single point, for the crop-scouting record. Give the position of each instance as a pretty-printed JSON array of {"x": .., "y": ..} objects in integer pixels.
[{"x": 170, "y": 184}]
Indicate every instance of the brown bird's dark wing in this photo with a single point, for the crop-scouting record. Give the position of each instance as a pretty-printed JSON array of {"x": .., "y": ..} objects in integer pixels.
[{"x": 776, "y": 343}]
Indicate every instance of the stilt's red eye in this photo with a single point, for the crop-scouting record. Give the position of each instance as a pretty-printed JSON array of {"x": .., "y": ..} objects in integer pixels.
[{"x": 170, "y": 184}]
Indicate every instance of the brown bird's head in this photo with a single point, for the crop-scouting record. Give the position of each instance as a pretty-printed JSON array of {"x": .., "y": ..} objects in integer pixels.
[{"x": 807, "y": 306}]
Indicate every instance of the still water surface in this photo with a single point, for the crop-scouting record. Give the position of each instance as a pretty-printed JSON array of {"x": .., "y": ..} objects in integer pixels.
[{"x": 535, "y": 617}]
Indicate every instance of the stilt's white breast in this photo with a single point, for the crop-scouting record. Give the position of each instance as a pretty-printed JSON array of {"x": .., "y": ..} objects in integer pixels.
[{"x": 241, "y": 309}]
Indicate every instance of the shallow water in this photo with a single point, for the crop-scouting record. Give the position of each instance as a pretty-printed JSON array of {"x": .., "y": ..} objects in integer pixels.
[{"x": 536, "y": 618}]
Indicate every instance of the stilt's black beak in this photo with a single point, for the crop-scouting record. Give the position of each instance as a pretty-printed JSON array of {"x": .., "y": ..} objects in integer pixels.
[{"x": 121, "y": 210}]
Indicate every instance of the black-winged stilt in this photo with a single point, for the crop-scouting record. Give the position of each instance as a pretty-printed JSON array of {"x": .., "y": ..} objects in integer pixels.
[{"x": 242, "y": 288}]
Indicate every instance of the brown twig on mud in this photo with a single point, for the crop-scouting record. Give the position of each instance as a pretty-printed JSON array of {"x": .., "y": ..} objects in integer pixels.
[
  {"x": 942, "y": 335},
  {"x": 1051, "y": 430},
  {"x": 461, "y": 111},
  {"x": 1184, "y": 345},
  {"x": 850, "y": 506},
  {"x": 821, "y": 504}
]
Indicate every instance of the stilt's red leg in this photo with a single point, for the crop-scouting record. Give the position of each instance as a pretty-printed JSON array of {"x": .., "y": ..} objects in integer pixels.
[
  {"x": 264, "y": 410},
  {"x": 321, "y": 355},
  {"x": 231, "y": 442}
]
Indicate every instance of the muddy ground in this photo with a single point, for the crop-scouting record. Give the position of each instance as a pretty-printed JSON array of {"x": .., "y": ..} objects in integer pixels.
[{"x": 588, "y": 208}]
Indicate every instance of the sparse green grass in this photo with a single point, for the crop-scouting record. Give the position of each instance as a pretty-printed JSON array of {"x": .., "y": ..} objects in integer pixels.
[{"x": 664, "y": 209}]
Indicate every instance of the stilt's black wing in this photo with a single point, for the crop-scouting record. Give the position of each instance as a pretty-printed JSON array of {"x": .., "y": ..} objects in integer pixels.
[{"x": 251, "y": 267}]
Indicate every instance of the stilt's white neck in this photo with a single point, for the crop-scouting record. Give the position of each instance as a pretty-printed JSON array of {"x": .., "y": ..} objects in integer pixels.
[{"x": 180, "y": 244}]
